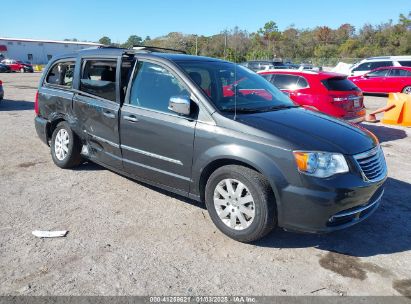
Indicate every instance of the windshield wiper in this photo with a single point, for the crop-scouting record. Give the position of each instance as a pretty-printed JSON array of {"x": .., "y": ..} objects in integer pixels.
[
  {"x": 276, "y": 108},
  {"x": 258, "y": 110},
  {"x": 240, "y": 110}
]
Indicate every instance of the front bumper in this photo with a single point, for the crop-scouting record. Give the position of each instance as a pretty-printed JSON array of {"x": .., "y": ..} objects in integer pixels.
[
  {"x": 41, "y": 125},
  {"x": 322, "y": 207}
]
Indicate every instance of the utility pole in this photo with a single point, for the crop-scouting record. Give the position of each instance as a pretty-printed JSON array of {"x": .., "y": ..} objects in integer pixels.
[
  {"x": 225, "y": 44},
  {"x": 196, "y": 45}
]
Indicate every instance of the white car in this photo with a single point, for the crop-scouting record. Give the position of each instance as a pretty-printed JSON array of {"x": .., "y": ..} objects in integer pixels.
[{"x": 366, "y": 65}]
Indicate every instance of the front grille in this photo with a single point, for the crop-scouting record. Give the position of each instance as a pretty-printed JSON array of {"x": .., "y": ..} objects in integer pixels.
[{"x": 372, "y": 164}]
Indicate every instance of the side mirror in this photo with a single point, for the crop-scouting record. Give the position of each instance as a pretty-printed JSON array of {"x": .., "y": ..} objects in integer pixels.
[
  {"x": 365, "y": 76},
  {"x": 180, "y": 105}
]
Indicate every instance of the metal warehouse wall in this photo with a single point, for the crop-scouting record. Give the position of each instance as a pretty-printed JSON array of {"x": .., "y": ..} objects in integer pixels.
[{"x": 41, "y": 51}]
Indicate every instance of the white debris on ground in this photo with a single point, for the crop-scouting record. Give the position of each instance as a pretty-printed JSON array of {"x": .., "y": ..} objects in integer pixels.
[{"x": 49, "y": 234}]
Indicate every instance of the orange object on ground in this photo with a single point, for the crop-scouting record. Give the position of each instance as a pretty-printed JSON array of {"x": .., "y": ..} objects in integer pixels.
[
  {"x": 395, "y": 116},
  {"x": 406, "y": 112}
]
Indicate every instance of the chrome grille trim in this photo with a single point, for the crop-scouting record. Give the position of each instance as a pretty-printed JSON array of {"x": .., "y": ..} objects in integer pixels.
[
  {"x": 372, "y": 164},
  {"x": 359, "y": 209}
]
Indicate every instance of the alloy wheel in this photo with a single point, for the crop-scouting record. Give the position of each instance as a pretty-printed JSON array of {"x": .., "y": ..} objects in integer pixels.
[
  {"x": 234, "y": 204},
  {"x": 407, "y": 90},
  {"x": 61, "y": 144}
]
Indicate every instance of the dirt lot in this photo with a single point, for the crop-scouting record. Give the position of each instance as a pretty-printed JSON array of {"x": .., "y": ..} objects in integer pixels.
[{"x": 129, "y": 239}]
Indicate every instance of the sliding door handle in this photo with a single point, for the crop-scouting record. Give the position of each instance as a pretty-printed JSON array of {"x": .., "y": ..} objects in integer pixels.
[
  {"x": 109, "y": 114},
  {"x": 130, "y": 118}
]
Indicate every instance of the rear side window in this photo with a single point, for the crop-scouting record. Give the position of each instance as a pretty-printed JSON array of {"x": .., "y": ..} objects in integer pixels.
[
  {"x": 368, "y": 66},
  {"x": 61, "y": 74},
  {"x": 405, "y": 63},
  {"x": 302, "y": 83},
  {"x": 339, "y": 84},
  {"x": 285, "y": 82},
  {"x": 399, "y": 73},
  {"x": 99, "y": 78}
]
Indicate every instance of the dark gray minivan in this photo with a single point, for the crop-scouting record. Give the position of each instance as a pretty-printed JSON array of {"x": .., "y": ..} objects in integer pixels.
[{"x": 213, "y": 131}]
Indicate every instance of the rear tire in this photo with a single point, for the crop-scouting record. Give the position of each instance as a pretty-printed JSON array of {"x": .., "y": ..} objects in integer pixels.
[
  {"x": 407, "y": 90},
  {"x": 65, "y": 147},
  {"x": 241, "y": 203},
  {"x": 22, "y": 70}
]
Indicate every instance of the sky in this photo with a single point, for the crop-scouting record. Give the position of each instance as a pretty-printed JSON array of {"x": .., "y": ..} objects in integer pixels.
[{"x": 91, "y": 19}]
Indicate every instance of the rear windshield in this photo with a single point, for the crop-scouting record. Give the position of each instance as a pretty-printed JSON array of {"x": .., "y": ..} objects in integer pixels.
[{"x": 339, "y": 84}]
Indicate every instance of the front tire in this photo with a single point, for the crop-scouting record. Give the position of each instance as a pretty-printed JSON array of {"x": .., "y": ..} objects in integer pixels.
[
  {"x": 241, "y": 203},
  {"x": 65, "y": 147},
  {"x": 407, "y": 90}
]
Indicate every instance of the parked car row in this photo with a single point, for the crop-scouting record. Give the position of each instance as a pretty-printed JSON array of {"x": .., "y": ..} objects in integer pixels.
[
  {"x": 263, "y": 65},
  {"x": 336, "y": 94},
  {"x": 372, "y": 63},
  {"x": 17, "y": 66},
  {"x": 327, "y": 92}
]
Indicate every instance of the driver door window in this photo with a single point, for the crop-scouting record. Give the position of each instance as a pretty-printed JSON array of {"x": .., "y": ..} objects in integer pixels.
[{"x": 153, "y": 87}]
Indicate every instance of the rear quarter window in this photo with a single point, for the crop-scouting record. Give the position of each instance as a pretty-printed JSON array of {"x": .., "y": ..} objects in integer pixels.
[
  {"x": 285, "y": 82},
  {"x": 371, "y": 65},
  {"x": 405, "y": 63},
  {"x": 380, "y": 64},
  {"x": 339, "y": 84}
]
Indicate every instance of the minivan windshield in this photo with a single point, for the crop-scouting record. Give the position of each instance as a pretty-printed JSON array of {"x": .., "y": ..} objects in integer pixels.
[{"x": 234, "y": 88}]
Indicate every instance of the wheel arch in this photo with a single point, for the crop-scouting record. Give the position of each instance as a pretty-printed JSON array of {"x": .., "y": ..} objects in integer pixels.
[
  {"x": 246, "y": 157},
  {"x": 52, "y": 126},
  {"x": 216, "y": 164}
]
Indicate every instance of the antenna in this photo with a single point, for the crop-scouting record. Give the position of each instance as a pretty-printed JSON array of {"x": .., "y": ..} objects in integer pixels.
[{"x": 235, "y": 83}]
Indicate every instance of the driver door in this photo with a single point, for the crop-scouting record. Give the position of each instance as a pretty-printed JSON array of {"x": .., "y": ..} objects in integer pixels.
[{"x": 156, "y": 143}]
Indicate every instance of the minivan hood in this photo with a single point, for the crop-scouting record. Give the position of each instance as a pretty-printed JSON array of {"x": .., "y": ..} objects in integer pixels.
[{"x": 312, "y": 131}]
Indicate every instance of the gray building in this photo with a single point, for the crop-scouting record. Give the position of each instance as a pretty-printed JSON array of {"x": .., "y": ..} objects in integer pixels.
[{"x": 38, "y": 51}]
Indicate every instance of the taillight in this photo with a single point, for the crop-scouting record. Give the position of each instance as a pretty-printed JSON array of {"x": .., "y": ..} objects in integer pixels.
[
  {"x": 348, "y": 102},
  {"x": 36, "y": 103},
  {"x": 341, "y": 102},
  {"x": 1, "y": 83}
]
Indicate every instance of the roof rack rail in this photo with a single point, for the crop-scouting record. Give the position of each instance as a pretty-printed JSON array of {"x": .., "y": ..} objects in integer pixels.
[
  {"x": 109, "y": 47},
  {"x": 156, "y": 49}
]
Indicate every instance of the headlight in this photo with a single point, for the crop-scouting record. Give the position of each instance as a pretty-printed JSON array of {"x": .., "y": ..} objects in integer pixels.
[{"x": 320, "y": 164}]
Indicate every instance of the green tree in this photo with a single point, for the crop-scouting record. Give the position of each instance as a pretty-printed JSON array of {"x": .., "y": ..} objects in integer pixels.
[
  {"x": 405, "y": 21},
  {"x": 131, "y": 41},
  {"x": 105, "y": 40}
]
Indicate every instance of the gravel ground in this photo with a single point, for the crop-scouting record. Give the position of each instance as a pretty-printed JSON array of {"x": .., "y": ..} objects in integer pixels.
[{"x": 126, "y": 238}]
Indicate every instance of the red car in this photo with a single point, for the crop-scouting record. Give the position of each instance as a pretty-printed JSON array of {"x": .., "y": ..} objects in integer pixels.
[
  {"x": 330, "y": 93},
  {"x": 228, "y": 90},
  {"x": 18, "y": 66},
  {"x": 385, "y": 80}
]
